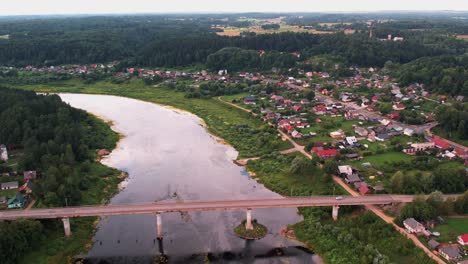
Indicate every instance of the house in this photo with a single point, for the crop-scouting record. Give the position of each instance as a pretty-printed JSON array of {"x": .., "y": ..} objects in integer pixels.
[
  {"x": 296, "y": 134},
  {"x": 363, "y": 189},
  {"x": 326, "y": 153},
  {"x": 408, "y": 132},
  {"x": 394, "y": 115},
  {"x": 361, "y": 131},
  {"x": 463, "y": 239},
  {"x": 413, "y": 226},
  {"x": 398, "y": 107},
  {"x": 434, "y": 245},
  {"x": 353, "y": 156},
  {"x": 9, "y": 185},
  {"x": 3, "y": 153},
  {"x": 26, "y": 187},
  {"x": 351, "y": 140},
  {"x": 352, "y": 178},
  {"x": 337, "y": 134},
  {"x": 297, "y": 108},
  {"x": 250, "y": 100},
  {"x": 382, "y": 137},
  {"x": 440, "y": 143},
  {"x": 16, "y": 202},
  {"x": 345, "y": 170},
  {"x": 319, "y": 110},
  {"x": 422, "y": 146},
  {"x": 450, "y": 252},
  {"x": 3, "y": 199},
  {"x": 29, "y": 175}
]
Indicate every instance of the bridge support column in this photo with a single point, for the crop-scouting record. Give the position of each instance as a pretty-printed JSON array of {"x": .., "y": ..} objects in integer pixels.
[
  {"x": 248, "y": 222},
  {"x": 66, "y": 226},
  {"x": 159, "y": 225},
  {"x": 335, "y": 212}
]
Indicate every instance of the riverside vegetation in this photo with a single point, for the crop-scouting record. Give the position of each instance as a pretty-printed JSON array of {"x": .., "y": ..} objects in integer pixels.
[{"x": 59, "y": 142}]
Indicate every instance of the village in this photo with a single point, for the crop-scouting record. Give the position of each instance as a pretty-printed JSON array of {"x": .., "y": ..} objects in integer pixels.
[{"x": 373, "y": 128}]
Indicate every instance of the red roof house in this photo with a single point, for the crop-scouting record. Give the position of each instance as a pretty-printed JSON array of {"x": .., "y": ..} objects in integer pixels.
[
  {"x": 326, "y": 153},
  {"x": 463, "y": 239},
  {"x": 363, "y": 189},
  {"x": 440, "y": 143}
]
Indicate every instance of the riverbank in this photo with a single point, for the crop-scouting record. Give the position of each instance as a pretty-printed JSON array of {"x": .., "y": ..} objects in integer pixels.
[
  {"x": 251, "y": 137},
  {"x": 104, "y": 186}
]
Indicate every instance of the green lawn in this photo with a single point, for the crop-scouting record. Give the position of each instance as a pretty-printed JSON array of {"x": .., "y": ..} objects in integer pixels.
[
  {"x": 452, "y": 228},
  {"x": 8, "y": 193},
  {"x": 381, "y": 159},
  {"x": 250, "y": 136}
]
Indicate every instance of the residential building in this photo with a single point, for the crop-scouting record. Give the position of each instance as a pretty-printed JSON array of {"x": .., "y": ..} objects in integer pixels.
[
  {"x": 408, "y": 132},
  {"x": 3, "y": 199},
  {"x": 3, "y": 153},
  {"x": 352, "y": 178},
  {"x": 434, "y": 245},
  {"x": 361, "y": 131},
  {"x": 16, "y": 202},
  {"x": 450, "y": 252},
  {"x": 413, "y": 226},
  {"x": 29, "y": 175},
  {"x": 422, "y": 146},
  {"x": 351, "y": 140},
  {"x": 250, "y": 100},
  {"x": 382, "y": 137},
  {"x": 463, "y": 239},
  {"x": 345, "y": 170},
  {"x": 9, "y": 185}
]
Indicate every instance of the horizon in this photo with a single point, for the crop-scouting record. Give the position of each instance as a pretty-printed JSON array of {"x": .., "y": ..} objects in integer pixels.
[{"x": 122, "y": 7}]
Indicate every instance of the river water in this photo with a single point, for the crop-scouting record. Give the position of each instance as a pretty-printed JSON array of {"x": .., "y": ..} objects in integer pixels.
[{"x": 170, "y": 156}]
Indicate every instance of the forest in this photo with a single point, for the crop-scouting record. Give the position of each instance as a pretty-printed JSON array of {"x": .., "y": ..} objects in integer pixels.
[{"x": 60, "y": 143}]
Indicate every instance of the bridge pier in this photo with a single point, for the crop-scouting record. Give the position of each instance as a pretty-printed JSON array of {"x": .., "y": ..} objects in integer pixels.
[
  {"x": 335, "y": 212},
  {"x": 159, "y": 225},
  {"x": 66, "y": 226},
  {"x": 248, "y": 222}
]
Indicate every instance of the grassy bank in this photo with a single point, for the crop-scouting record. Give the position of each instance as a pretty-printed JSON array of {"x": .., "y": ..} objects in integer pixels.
[
  {"x": 103, "y": 184},
  {"x": 250, "y": 136}
]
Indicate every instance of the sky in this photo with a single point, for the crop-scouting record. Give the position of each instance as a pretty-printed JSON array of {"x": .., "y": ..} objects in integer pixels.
[{"x": 55, "y": 7}]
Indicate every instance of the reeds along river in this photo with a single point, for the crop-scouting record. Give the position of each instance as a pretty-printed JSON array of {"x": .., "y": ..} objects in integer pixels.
[{"x": 170, "y": 156}]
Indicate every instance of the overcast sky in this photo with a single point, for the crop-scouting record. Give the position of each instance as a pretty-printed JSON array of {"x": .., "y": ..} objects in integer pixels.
[{"x": 30, "y": 7}]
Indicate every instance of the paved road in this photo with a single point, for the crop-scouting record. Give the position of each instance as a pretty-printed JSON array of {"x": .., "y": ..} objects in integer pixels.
[{"x": 190, "y": 206}]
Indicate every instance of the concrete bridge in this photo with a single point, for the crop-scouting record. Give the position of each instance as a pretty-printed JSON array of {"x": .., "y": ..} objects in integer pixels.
[{"x": 158, "y": 208}]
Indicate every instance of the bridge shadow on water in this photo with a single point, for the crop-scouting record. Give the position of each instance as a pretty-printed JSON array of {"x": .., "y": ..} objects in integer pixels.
[{"x": 246, "y": 255}]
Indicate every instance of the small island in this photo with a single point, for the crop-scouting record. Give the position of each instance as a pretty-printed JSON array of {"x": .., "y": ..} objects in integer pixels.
[{"x": 257, "y": 231}]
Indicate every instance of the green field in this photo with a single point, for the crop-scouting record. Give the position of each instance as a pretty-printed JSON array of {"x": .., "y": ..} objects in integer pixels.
[
  {"x": 452, "y": 228},
  {"x": 223, "y": 120}
]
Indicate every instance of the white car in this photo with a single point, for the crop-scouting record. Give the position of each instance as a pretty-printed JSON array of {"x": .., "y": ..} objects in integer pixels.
[{"x": 339, "y": 198}]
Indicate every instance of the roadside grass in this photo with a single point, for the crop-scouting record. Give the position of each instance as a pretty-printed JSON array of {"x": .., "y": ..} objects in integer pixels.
[
  {"x": 248, "y": 135},
  {"x": 8, "y": 193}
]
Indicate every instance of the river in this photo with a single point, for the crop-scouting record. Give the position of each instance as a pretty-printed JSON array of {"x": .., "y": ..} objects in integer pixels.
[{"x": 169, "y": 155}]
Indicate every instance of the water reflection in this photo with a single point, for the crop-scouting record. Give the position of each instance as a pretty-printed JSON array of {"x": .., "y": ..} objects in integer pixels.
[{"x": 170, "y": 156}]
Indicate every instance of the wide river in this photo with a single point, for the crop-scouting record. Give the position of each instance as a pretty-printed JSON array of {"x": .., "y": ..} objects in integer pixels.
[{"x": 170, "y": 156}]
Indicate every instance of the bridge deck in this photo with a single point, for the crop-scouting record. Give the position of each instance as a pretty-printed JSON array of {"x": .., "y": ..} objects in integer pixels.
[{"x": 189, "y": 206}]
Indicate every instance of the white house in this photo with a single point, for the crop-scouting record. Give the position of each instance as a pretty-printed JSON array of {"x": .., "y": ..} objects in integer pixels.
[
  {"x": 351, "y": 140},
  {"x": 413, "y": 226},
  {"x": 345, "y": 169},
  {"x": 3, "y": 153}
]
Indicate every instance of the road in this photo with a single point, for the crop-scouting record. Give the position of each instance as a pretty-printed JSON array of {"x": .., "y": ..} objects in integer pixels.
[
  {"x": 296, "y": 147},
  {"x": 190, "y": 206}
]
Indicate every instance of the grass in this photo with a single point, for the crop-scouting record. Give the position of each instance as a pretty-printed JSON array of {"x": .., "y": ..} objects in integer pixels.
[
  {"x": 380, "y": 160},
  {"x": 259, "y": 231},
  {"x": 250, "y": 136},
  {"x": 8, "y": 193},
  {"x": 452, "y": 228}
]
